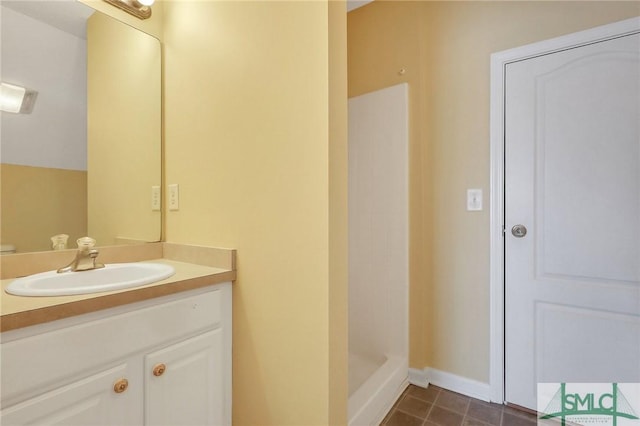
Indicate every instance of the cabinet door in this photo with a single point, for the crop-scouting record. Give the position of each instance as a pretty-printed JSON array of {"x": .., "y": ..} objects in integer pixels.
[
  {"x": 92, "y": 400},
  {"x": 184, "y": 382}
]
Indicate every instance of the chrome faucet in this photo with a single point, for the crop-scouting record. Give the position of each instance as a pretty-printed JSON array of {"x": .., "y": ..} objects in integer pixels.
[{"x": 85, "y": 257}]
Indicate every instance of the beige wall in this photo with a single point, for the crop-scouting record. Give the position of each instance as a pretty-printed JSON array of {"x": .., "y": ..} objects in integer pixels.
[
  {"x": 338, "y": 217},
  {"x": 39, "y": 202},
  {"x": 445, "y": 48},
  {"x": 124, "y": 131},
  {"x": 261, "y": 166}
]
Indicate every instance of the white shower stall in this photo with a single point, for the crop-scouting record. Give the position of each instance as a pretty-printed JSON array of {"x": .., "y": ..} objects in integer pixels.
[{"x": 378, "y": 252}]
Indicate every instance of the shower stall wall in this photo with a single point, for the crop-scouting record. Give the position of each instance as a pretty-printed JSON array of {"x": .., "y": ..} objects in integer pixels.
[{"x": 378, "y": 252}]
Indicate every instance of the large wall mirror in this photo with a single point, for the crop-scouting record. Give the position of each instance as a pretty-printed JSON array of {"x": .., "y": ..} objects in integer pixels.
[{"x": 86, "y": 159}]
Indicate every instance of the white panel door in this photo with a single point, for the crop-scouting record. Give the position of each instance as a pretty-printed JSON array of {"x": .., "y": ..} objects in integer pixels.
[
  {"x": 90, "y": 400},
  {"x": 184, "y": 382},
  {"x": 572, "y": 176}
]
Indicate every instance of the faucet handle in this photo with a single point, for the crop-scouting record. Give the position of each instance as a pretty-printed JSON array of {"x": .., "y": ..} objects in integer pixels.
[
  {"x": 59, "y": 242},
  {"x": 85, "y": 242}
]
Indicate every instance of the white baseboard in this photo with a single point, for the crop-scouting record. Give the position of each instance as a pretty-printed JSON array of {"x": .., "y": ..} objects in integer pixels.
[
  {"x": 449, "y": 381},
  {"x": 371, "y": 402},
  {"x": 418, "y": 377}
]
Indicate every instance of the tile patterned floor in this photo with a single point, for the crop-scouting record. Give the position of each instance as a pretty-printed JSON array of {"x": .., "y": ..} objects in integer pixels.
[{"x": 437, "y": 406}]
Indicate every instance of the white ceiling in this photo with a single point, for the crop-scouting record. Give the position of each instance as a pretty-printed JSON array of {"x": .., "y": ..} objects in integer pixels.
[
  {"x": 66, "y": 15},
  {"x": 354, "y": 4}
]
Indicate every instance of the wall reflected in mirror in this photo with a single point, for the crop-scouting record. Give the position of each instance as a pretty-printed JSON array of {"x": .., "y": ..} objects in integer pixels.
[{"x": 83, "y": 162}]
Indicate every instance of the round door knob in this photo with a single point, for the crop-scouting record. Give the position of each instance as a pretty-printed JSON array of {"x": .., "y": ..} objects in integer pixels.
[
  {"x": 159, "y": 369},
  {"x": 519, "y": 231},
  {"x": 120, "y": 386}
]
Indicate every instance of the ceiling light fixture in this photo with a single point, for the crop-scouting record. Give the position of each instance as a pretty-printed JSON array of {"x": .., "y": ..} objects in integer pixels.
[
  {"x": 16, "y": 99},
  {"x": 138, "y": 8}
]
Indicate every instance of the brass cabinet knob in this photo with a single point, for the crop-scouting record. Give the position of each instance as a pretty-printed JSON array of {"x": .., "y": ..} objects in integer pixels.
[
  {"x": 159, "y": 369},
  {"x": 120, "y": 386}
]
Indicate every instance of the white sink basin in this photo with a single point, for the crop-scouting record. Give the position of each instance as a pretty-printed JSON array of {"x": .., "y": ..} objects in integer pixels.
[{"x": 115, "y": 276}]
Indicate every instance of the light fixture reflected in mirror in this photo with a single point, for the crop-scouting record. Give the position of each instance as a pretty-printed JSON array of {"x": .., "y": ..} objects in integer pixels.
[
  {"x": 138, "y": 8},
  {"x": 16, "y": 99}
]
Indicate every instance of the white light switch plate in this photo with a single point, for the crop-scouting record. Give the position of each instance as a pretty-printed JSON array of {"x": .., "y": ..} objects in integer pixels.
[
  {"x": 474, "y": 200},
  {"x": 174, "y": 197}
]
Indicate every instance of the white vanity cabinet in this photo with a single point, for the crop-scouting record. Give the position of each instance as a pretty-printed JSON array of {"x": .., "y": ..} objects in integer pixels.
[{"x": 164, "y": 361}]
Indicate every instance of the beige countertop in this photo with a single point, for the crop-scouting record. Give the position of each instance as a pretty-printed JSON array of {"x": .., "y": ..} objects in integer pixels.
[{"x": 19, "y": 311}]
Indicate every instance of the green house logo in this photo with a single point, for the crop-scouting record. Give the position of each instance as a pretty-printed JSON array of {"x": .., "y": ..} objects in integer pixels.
[{"x": 591, "y": 404}]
